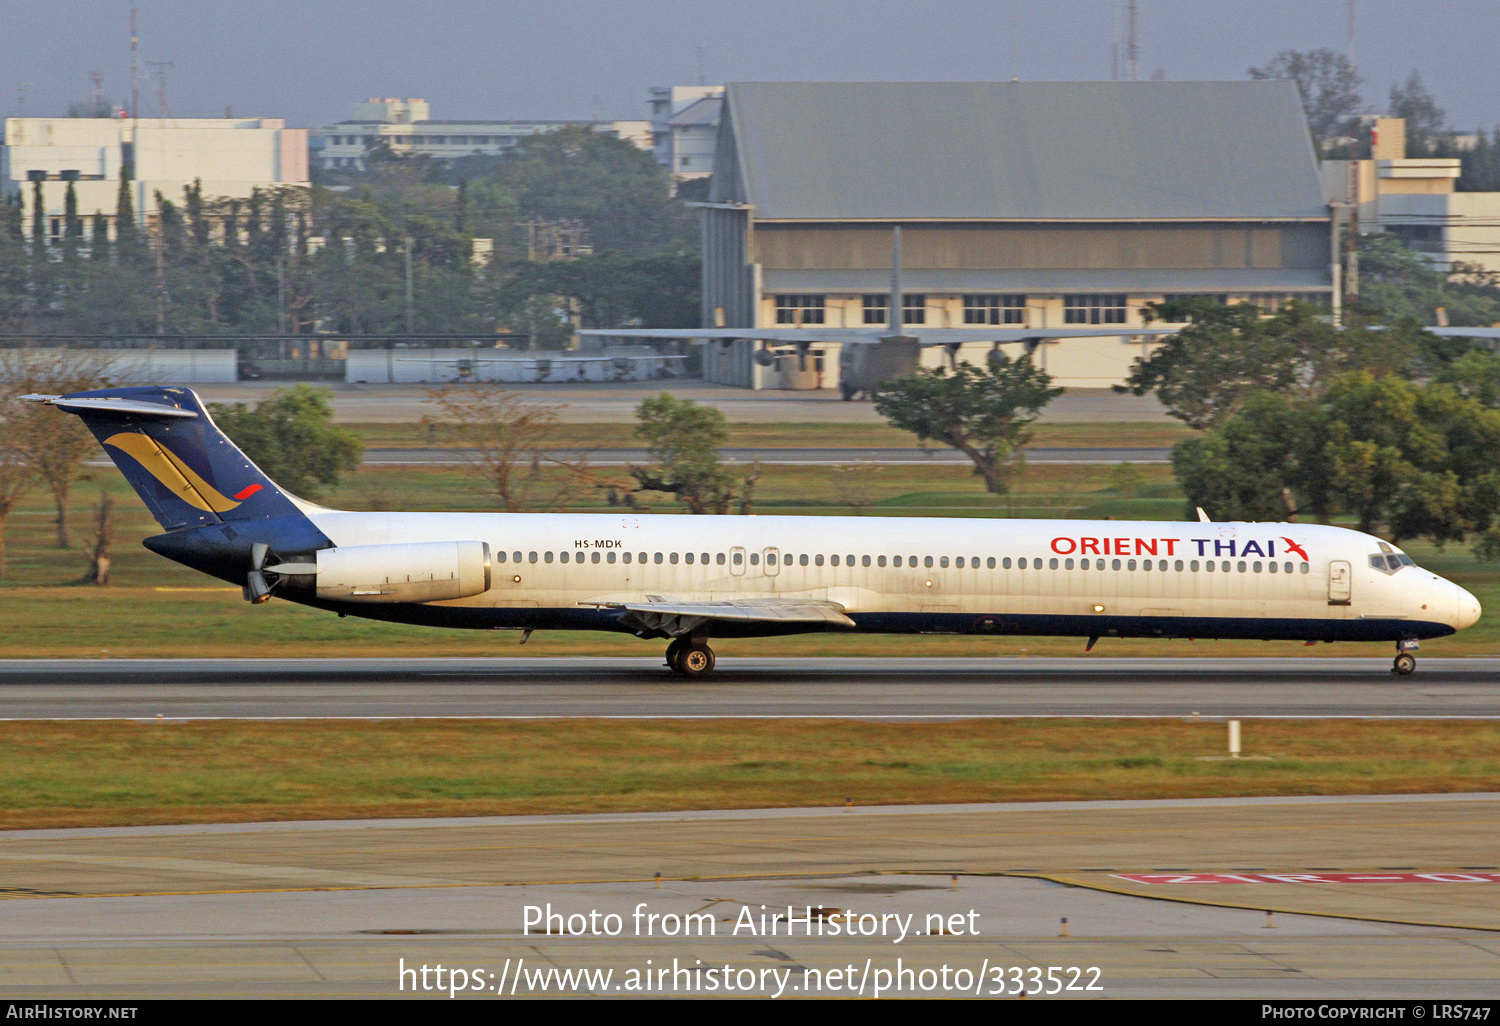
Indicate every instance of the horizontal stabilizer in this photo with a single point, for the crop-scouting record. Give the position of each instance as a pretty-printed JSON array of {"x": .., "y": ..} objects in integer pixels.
[{"x": 108, "y": 405}]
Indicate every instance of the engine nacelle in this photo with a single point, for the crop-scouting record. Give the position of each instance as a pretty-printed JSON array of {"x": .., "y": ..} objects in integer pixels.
[{"x": 421, "y": 572}]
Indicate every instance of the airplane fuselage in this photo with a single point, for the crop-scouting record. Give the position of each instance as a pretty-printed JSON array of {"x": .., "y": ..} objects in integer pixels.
[{"x": 923, "y": 575}]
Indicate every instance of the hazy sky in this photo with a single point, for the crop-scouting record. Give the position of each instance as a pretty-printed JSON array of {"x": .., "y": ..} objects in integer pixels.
[{"x": 308, "y": 60}]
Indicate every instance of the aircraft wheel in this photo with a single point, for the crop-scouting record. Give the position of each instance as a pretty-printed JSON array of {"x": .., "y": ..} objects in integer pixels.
[
  {"x": 695, "y": 660},
  {"x": 1404, "y": 665},
  {"x": 674, "y": 652}
]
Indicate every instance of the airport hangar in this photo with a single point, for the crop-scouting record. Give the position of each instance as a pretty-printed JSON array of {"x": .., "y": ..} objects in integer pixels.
[{"x": 1021, "y": 204}]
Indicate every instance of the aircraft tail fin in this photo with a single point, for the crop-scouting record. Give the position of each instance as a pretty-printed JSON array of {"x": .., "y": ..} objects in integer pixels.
[{"x": 184, "y": 468}]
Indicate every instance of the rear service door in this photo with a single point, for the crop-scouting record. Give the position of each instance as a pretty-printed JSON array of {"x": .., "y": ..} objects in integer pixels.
[{"x": 1339, "y": 583}]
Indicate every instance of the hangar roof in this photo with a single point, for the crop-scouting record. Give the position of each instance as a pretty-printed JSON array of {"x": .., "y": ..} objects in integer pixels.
[{"x": 1017, "y": 150}]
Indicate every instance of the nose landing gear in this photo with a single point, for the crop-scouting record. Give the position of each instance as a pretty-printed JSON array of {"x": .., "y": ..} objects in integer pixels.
[
  {"x": 690, "y": 657},
  {"x": 1405, "y": 663}
]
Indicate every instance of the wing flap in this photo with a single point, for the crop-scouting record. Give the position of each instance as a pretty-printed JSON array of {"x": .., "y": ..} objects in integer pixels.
[{"x": 677, "y": 618}]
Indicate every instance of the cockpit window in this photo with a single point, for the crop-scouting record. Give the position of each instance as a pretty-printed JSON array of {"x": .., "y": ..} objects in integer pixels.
[{"x": 1389, "y": 564}]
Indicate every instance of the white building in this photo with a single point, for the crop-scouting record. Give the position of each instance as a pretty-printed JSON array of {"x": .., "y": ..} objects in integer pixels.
[
  {"x": 407, "y": 127},
  {"x": 1415, "y": 199},
  {"x": 684, "y": 127},
  {"x": 230, "y": 156}
]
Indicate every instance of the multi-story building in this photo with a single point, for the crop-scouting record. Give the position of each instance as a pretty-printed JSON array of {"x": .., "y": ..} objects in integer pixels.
[
  {"x": 1021, "y": 204},
  {"x": 229, "y": 156},
  {"x": 684, "y": 127},
  {"x": 1415, "y": 198},
  {"x": 407, "y": 127}
]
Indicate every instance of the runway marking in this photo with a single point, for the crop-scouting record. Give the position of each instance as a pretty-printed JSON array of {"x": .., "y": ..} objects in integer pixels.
[{"x": 1094, "y": 884}]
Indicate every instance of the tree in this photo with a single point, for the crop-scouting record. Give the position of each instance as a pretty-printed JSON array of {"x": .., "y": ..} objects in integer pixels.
[
  {"x": 1246, "y": 467},
  {"x": 1474, "y": 375},
  {"x": 16, "y": 473},
  {"x": 619, "y": 192},
  {"x": 1479, "y": 167},
  {"x": 1328, "y": 82},
  {"x": 684, "y": 440},
  {"x": 1204, "y": 373},
  {"x": 291, "y": 436},
  {"x": 127, "y": 238},
  {"x": 612, "y": 289},
  {"x": 985, "y": 414},
  {"x": 1397, "y": 282},
  {"x": 52, "y": 443},
  {"x": 104, "y": 536},
  {"x": 1423, "y": 460},
  {"x": 1426, "y": 122},
  {"x": 505, "y": 435}
]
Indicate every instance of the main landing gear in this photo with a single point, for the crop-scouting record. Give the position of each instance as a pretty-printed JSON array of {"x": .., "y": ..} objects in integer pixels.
[
  {"x": 690, "y": 657},
  {"x": 1405, "y": 663}
]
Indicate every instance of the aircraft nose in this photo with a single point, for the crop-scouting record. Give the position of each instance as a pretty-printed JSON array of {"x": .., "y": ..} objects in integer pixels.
[{"x": 1468, "y": 609}]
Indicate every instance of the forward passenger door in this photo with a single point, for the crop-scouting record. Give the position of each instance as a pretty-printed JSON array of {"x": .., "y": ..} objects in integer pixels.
[{"x": 1340, "y": 586}]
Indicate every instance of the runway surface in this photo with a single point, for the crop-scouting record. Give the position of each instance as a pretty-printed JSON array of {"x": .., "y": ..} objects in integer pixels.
[
  {"x": 790, "y": 457},
  {"x": 834, "y": 688},
  {"x": 332, "y": 908}
]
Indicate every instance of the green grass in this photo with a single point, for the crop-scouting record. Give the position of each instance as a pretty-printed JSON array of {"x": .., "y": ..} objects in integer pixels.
[{"x": 119, "y": 772}]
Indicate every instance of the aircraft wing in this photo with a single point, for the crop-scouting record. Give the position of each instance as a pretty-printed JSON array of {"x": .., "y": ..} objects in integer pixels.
[
  {"x": 1466, "y": 332},
  {"x": 875, "y": 334},
  {"x": 677, "y": 618}
]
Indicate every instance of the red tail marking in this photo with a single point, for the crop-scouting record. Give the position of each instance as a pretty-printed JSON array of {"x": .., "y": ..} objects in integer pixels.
[{"x": 251, "y": 490}]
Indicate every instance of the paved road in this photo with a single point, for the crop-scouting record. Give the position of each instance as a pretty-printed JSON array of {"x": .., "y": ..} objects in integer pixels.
[
  {"x": 857, "y": 688},
  {"x": 795, "y": 457}
]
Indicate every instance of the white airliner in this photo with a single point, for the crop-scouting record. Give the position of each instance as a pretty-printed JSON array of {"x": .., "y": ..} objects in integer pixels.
[{"x": 692, "y": 579}]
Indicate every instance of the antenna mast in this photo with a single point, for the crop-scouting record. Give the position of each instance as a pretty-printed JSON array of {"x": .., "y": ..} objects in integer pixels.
[
  {"x": 135, "y": 79},
  {"x": 1130, "y": 52},
  {"x": 160, "y": 68}
]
